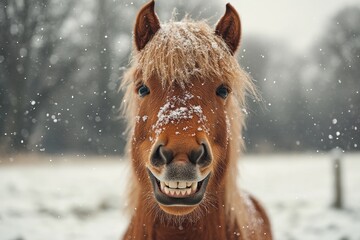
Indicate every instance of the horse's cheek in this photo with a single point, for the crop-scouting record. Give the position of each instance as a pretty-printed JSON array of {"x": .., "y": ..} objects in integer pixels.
[
  {"x": 219, "y": 131},
  {"x": 140, "y": 133},
  {"x": 141, "y": 144}
]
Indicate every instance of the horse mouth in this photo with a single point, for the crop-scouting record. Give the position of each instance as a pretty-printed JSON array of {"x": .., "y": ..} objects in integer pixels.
[
  {"x": 179, "y": 193},
  {"x": 179, "y": 189}
]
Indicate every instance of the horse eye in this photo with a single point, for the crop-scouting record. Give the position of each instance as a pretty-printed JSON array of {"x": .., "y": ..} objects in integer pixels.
[
  {"x": 143, "y": 90},
  {"x": 222, "y": 91}
]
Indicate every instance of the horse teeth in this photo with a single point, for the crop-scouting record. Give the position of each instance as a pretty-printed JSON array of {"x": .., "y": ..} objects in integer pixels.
[
  {"x": 194, "y": 186},
  {"x": 188, "y": 191},
  {"x": 182, "y": 188},
  {"x": 173, "y": 184},
  {"x": 181, "y": 184}
]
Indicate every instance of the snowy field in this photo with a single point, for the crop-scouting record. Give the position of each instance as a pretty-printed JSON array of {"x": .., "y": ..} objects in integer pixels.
[{"x": 63, "y": 198}]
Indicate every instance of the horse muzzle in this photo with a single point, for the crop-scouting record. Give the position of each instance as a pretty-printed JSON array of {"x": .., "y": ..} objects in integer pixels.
[{"x": 180, "y": 171}]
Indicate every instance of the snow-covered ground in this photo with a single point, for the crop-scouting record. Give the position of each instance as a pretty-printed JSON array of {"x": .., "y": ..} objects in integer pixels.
[{"x": 67, "y": 198}]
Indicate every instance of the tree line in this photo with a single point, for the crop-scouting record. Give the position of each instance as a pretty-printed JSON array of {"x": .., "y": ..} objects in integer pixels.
[{"x": 61, "y": 63}]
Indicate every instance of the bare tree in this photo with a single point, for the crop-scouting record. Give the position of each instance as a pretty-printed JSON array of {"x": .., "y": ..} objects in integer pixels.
[{"x": 30, "y": 36}]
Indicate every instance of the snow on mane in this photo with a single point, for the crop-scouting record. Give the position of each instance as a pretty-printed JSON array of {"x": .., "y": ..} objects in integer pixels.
[{"x": 181, "y": 51}]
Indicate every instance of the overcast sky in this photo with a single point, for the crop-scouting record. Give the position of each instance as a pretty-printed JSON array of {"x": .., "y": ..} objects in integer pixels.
[{"x": 298, "y": 23}]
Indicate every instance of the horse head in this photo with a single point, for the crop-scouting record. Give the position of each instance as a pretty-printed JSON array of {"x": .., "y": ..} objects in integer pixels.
[{"x": 185, "y": 90}]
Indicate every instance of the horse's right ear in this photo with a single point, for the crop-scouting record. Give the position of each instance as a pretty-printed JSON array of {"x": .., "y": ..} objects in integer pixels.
[{"x": 147, "y": 24}]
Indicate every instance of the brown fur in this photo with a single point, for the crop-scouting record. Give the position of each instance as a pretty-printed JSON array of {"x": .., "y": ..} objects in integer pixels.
[
  {"x": 229, "y": 28},
  {"x": 184, "y": 57},
  {"x": 147, "y": 25}
]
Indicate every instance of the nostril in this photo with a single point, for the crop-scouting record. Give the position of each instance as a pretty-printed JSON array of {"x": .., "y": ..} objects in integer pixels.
[
  {"x": 161, "y": 156},
  {"x": 200, "y": 156},
  {"x": 165, "y": 154}
]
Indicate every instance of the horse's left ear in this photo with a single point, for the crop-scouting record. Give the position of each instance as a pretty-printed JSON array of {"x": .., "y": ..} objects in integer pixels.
[
  {"x": 229, "y": 28},
  {"x": 147, "y": 24}
]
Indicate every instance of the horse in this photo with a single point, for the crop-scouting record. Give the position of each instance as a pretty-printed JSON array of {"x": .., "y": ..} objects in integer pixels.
[{"x": 184, "y": 100}]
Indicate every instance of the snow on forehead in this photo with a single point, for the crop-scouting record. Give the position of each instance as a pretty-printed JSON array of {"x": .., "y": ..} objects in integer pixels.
[
  {"x": 179, "y": 109},
  {"x": 187, "y": 35},
  {"x": 181, "y": 51}
]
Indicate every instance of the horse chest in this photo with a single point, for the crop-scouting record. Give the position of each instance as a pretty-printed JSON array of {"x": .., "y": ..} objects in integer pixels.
[{"x": 187, "y": 233}]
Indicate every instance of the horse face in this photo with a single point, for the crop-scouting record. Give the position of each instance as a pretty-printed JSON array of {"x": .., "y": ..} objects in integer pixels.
[{"x": 180, "y": 142}]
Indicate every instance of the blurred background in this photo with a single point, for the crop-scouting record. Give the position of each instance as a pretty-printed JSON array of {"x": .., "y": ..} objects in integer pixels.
[{"x": 61, "y": 64}]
